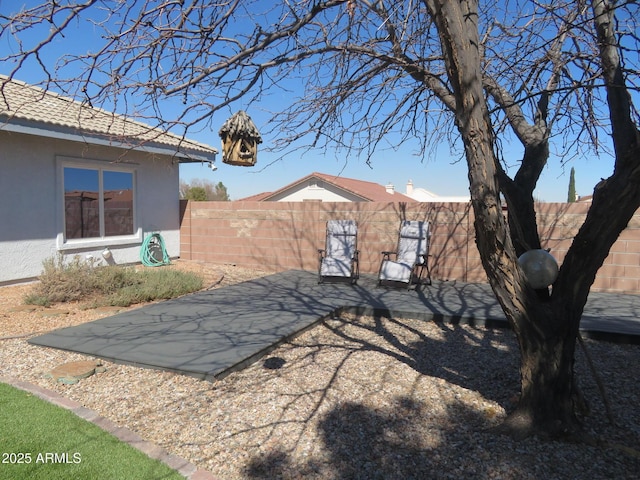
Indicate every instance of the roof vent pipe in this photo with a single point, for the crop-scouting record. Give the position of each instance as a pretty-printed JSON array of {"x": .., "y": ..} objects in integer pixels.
[{"x": 409, "y": 188}]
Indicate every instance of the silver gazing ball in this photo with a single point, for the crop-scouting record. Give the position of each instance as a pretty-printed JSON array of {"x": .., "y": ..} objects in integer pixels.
[{"x": 540, "y": 268}]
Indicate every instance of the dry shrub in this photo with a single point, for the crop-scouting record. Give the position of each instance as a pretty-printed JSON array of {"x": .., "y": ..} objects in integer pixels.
[{"x": 79, "y": 280}]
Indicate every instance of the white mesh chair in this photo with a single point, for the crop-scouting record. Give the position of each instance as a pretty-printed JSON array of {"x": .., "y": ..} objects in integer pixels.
[
  {"x": 339, "y": 258},
  {"x": 410, "y": 265}
]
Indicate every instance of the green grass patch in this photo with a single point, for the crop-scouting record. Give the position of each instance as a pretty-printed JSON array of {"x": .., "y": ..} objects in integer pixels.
[
  {"x": 115, "y": 285},
  {"x": 39, "y": 440}
]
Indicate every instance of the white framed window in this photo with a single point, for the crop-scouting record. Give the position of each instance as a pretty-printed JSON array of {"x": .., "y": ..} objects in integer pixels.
[{"x": 98, "y": 204}]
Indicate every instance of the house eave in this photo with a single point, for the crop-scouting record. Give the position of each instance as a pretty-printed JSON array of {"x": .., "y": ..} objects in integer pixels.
[{"x": 182, "y": 156}]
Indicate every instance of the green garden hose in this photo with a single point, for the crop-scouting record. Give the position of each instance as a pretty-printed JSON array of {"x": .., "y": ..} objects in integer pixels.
[{"x": 153, "y": 252}]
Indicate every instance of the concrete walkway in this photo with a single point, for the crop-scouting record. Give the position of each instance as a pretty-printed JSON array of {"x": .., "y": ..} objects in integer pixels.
[{"x": 212, "y": 333}]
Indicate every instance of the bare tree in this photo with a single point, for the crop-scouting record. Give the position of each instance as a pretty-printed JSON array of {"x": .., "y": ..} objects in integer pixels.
[
  {"x": 428, "y": 71},
  {"x": 204, "y": 190}
]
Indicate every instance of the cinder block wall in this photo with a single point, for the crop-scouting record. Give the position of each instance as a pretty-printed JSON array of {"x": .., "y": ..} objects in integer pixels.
[{"x": 286, "y": 235}]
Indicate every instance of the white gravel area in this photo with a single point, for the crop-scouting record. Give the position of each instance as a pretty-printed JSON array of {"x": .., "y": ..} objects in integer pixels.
[{"x": 355, "y": 397}]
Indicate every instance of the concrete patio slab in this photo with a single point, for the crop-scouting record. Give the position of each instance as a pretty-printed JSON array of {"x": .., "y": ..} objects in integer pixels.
[{"x": 212, "y": 333}]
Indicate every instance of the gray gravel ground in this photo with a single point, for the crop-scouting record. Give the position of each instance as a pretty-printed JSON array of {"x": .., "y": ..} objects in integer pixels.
[{"x": 356, "y": 397}]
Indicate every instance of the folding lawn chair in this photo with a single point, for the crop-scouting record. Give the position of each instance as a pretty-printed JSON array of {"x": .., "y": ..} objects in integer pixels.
[
  {"x": 339, "y": 259},
  {"x": 411, "y": 259}
]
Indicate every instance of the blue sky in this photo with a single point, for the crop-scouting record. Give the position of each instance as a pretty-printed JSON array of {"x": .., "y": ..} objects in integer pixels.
[{"x": 443, "y": 173}]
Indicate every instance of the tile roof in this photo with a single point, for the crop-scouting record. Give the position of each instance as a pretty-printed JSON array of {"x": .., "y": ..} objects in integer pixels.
[
  {"x": 258, "y": 197},
  {"x": 31, "y": 109},
  {"x": 372, "y": 191},
  {"x": 368, "y": 191}
]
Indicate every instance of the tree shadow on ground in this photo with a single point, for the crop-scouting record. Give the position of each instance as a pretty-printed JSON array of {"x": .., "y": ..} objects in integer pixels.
[
  {"x": 466, "y": 366},
  {"x": 365, "y": 441}
]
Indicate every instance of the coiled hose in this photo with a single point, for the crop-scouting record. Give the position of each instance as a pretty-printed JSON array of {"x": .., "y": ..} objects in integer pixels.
[{"x": 153, "y": 252}]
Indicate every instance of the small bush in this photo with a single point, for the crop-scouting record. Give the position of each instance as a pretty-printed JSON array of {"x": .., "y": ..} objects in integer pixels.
[
  {"x": 63, "y": 282},
  {"x": 112, "y": 278},
  {"x": 157, "y": 284},
  {"x": 114, "y": 285},
  {"x": 36, "y": 299}
]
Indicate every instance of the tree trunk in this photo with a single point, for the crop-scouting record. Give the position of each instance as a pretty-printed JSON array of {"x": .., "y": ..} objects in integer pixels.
[
  {"x": 518, "y": 194},
  {"x": 546, "y": 331},
  {"x": 546, "y": 337},
  {"x": 549, "y": 400}
]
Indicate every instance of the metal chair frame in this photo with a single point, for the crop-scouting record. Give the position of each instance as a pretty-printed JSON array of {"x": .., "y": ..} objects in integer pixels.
[
  {"x": 340, "y": 257},
  {"x": 406, "y": 258}
]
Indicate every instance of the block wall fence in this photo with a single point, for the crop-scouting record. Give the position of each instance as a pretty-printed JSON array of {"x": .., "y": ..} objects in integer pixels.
[{"x": 278, "y": 236}]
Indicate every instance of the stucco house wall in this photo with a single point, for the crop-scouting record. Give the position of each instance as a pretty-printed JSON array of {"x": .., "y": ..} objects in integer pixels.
[
  {"x": 32, "y": 202},
  {"x": 76, "y": 180}
]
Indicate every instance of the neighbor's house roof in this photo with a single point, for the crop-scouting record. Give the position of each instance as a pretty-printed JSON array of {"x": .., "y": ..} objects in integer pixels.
[
  {"x": 422, "y": 195},
  {"x": 32, "y": 110},
  {"x": 366, "y": 191}
]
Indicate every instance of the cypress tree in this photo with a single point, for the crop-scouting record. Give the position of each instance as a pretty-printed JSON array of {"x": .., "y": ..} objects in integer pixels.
[{"x": 571, "y": 196}]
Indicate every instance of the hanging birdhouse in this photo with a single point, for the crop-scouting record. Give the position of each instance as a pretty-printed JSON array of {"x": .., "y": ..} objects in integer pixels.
[{"x": 240, "y": 139}]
